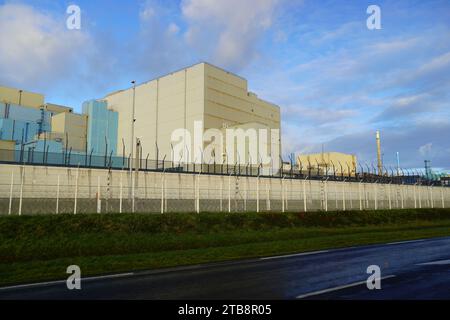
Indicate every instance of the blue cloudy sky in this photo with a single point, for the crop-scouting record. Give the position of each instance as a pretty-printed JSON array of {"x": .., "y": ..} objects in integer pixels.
[{"x": 335, "y": 81}]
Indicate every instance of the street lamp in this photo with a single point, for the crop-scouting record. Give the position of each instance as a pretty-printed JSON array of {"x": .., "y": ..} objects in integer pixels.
[{"x": 132, "y": 145}]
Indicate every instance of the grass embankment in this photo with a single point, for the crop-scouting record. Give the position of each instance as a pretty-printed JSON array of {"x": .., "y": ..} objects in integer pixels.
[{"x": 38, "y": 248}]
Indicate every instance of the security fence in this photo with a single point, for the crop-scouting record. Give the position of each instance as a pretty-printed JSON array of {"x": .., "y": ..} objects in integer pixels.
[
  {"x": 26, "y": 189},
  {"x": 339, "y": 172}
]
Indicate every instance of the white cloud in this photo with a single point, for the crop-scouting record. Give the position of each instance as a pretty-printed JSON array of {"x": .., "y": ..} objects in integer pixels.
[
  {"x": 425, "y": 150},
  {"x": 173, "y": 28},
  {"x": 36, "y": 47},
  {"x": 159, "y": 46},
  {"x": 229, "y": 30}
]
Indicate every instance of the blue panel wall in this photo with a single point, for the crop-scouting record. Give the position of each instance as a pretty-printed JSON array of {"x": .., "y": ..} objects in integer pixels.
[
  {"x": 21, "y": 123},
  {"x": 102, "y": 127}
]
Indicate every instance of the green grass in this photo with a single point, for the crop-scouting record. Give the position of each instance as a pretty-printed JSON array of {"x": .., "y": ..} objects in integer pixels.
[{"x": 38, "y": 248}]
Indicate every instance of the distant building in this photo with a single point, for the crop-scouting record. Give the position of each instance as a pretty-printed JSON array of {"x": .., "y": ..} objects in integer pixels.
[{"x": 323, "y": 163}]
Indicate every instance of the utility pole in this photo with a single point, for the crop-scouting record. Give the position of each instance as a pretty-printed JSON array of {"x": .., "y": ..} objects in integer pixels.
[
  {"x": 398, "y": 163},
  {"x": 380, "y": 164},
  {"x": 428, "y": 169},
  {"x": 132, "y": 146}
]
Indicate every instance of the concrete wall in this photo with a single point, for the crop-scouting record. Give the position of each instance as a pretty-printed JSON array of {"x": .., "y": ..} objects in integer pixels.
[{"x": 176, "y": 192}]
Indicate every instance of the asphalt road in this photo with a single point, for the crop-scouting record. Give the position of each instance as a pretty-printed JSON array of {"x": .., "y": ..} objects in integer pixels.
[{"x": 409, "y": 270}]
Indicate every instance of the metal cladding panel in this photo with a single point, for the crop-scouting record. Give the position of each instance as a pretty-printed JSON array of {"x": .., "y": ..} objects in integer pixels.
[
  {"x": 19, "y": 113},
  {"x": 101, "y": 128},
  {"x": 17, "y": 130}
]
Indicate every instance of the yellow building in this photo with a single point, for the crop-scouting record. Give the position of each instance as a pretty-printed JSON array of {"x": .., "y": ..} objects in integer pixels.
[
  {"x": 56, "y": 108},
  {"x": 21, "y": 97},
  {"x": 202, "y": 92},
  {"x": 7, "y": 148},
  {"x": 325, "y": 161},
  {"x": 71, "y": 125}
]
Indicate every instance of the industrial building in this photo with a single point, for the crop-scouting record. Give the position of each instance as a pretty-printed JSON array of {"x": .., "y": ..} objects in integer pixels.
[
  {"x": 323, "y": 163},
  {"x": 28, "y": 123},
  {"x": 202, "y": 92}
]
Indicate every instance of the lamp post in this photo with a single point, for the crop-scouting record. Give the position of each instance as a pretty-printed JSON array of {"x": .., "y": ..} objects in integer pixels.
[{"x": 132, "y": 146}]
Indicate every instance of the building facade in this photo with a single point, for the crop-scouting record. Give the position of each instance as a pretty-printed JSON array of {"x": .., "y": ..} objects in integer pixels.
[
  {"x": 200, "y": 94},
  {"x": 327, "y": 163}
]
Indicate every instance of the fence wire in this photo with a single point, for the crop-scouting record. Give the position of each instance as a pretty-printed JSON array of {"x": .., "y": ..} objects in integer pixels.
[{"x": 55, "y": 190}]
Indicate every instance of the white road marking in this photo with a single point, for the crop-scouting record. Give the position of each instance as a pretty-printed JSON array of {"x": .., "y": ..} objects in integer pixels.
[
  {"x": 294, "y": 255},
  {"x": 402, "y": 242},
  {"x": 338, "y": 288},
  {"x": 30, "y": 285},
  {"x": 435, "y": 263}
]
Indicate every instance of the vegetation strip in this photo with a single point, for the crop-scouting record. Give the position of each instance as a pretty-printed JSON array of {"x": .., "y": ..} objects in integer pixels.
[{"x": 39, "y": 248}]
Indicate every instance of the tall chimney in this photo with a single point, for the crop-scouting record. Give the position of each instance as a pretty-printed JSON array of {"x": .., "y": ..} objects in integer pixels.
[{"x": 380, "y": 164}]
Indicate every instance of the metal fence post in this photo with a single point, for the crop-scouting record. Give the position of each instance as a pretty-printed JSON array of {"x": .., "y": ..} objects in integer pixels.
[
  {"x": 121, "y": 191},
  {"x": 415, "y": 195},
  {"x": 21, "y": 191},
  {"x": 76, "y": 192},
  {"x": 304, "y": 195},
  {"x": 420, "y": 197},
  {"x": 57, "y": 197},
  {"x": 99, "y": 201},
  {"x": 442, "y": 196},
  {"x": 335, "y": 195},
  {"x": 229, "y": 193},
  {"x": 360, "y": 198},
  {"x": 245, "y": 193},
  {"x": 389, "y": 193},
  {"x": 132, "y": 178},
  {"x": 198, "y": 192},
  {"x": 282, "y": 195},
  {"x": 257, "y": 192},
  {"x": 343, "y": 196},
  {"x": 402, "y": 195},
  {"x": 11, "y": 193},
  {"x": 165, "y": 193},
  {"x": 431, "y": 197},
  {"x": 375, "y": 187},
  {"x": 221, "y": 193},
  {"x": 162, "y": 192}
]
